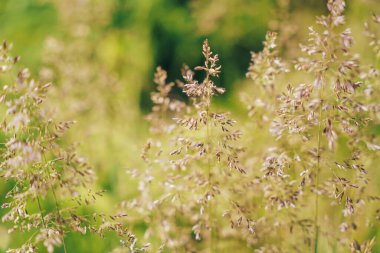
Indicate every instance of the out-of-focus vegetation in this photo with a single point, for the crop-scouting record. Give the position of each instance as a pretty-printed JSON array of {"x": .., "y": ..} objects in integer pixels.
[{"x": 101, "y": 57}]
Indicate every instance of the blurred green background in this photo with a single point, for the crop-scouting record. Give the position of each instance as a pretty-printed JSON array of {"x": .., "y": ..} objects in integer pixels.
[{"x": 101, "y": 56}]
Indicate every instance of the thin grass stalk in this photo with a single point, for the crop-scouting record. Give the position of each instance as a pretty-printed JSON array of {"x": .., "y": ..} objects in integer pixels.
[
  {"x": 317, "y": 172},
  {"x": 60, "y": 219},
  {"x": 209, "y": 167},
  {"x": 40, "y": 209},
  {"x": 57, "y": 210}
]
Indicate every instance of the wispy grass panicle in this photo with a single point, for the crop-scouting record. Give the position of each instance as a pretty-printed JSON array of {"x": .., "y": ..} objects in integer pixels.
[
  {"x": 49, "y": 183},
  {"x": 305, "y": 167},
  {"x": 373, "y": 34},
  {"x": 208, "y": 145},
  {"x": 165, "y": 107},
  {"x": 264, "y": 70},
  {"x": 327, "y": 112},
  {"x": 197, "y": 170}
]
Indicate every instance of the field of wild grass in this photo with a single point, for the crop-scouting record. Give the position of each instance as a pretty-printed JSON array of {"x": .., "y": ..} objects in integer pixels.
[{"x": 190, "y": 126}]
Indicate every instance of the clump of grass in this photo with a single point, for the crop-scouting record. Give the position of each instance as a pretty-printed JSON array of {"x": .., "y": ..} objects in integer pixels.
[
  {"x": 300, "y": 179},
  {"x": 205, "y": 156},
  {"x": 49, "y": 183},
  {"x": 316, "y": 121},
  {"x": 314, "y": 181}
]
